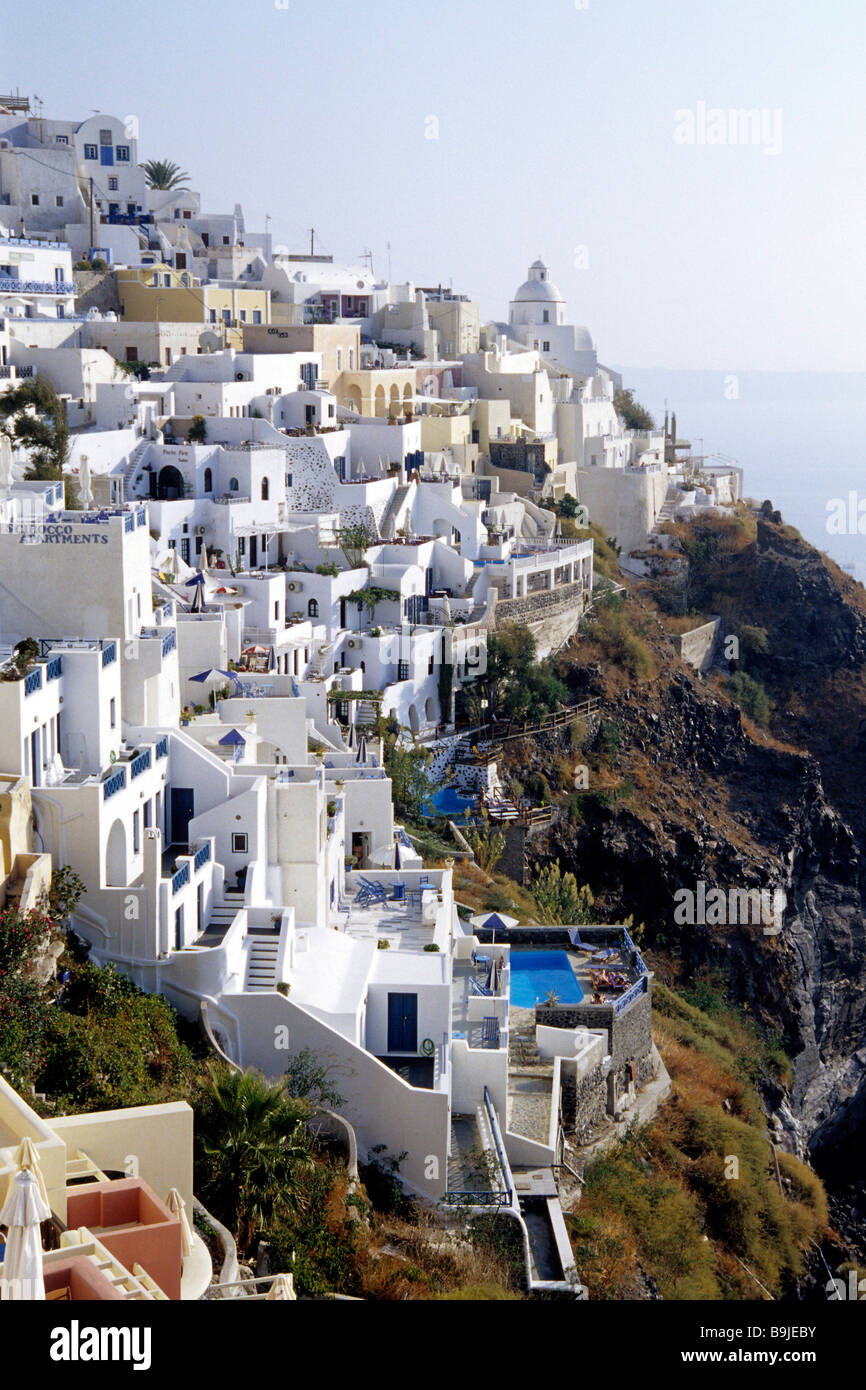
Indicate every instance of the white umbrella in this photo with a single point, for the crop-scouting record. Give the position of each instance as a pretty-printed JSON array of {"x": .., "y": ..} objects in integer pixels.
[
  {"x": 175, "y": 1203},
  {"x": 84, "y": 488},
  {"x": 27, "y": 1158},
  {"x": 5, "y": 463},
  {"x": 283, "y": 1287},
  {"x": 23, "y": 1211}
]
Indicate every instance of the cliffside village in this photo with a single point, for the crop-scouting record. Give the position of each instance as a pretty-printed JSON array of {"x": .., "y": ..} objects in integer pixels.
[{"x": 303, "y": 492}]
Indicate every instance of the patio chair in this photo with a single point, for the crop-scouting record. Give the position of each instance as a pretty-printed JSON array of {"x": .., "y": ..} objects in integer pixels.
[
  {"x": 490, "y": 1032},
  {"x": 478, "y": 989},
  {"x": 605, "y": 955}
]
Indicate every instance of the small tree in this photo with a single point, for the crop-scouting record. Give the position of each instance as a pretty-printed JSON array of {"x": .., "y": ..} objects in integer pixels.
[
  {"x": 488, "y": 844},
  {"x": 632, "y": 414},
  {"x": 164, "y": 174},
  {"x": 558, "y": 899},
  {"x": 197, "y": 433}
]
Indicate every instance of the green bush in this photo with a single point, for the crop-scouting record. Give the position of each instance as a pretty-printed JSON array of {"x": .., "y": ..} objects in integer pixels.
[{"x": 751, "y": 697}]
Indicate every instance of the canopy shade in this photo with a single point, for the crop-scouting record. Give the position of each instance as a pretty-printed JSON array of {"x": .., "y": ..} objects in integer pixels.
[{"x": 233, "y": 739}]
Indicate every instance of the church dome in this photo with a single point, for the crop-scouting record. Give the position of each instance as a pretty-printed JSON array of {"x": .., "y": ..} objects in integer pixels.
[
  {"x": 583, "y": 339},
  {"x": 539, "y": 288}
]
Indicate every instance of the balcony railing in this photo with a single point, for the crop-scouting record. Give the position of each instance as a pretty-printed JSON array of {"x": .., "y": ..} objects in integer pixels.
[
  {"x": 54, "y": 668},
  {"x": 33, "y": 681},
  {"x": 109, "y": 653},
  {"x": 202, "y": 856},
  {"x": 140, "y": 763},
  {"x": 10, "y": 286},
  {"x": 180, "y": 878},
  {"x": 621, "y": 1004},
  {"x": 162, "y": 748},
  {"x": 33, "y": 241},
  {"x": 115, "y": 783},
  {"x": 169, "y": 641}
]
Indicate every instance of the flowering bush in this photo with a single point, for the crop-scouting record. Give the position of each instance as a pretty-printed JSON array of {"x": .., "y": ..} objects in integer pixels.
[{"x": 23, "y": 937}]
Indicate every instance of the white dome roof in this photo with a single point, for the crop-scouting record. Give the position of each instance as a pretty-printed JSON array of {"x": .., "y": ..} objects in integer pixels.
[
  {"x": 583, "y": 339},
  {"x": 539, "y": 288}
]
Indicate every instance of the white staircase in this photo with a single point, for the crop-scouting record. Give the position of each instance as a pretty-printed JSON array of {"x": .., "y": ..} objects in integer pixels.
[
  {"x": 667, "y": 511},
  {"x": 133, "y": 468},
  {"x": 388, "y": 528},
  {"x": 262, "y": 952}
]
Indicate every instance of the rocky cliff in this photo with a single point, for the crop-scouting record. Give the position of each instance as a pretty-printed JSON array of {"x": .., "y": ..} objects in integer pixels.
[{"x": 707, "y": 797}]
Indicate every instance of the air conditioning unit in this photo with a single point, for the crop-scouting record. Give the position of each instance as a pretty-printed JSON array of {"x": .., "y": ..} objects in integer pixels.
[
  {"x": 353, "y": 642},
  {"x": 200, "y": 530},
  {"x": 294, "y": 586}
]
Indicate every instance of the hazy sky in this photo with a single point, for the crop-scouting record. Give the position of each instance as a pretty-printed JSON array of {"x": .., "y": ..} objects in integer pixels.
[{"x": 556, "y": 137}]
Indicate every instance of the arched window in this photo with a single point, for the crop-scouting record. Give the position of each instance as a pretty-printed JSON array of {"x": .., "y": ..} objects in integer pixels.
[
  {"x": 208, "y": 480},
  {"x": 313, "y": 608},
  {"x": 233, "y": 485},
  {"x": 264, "y": 489}
]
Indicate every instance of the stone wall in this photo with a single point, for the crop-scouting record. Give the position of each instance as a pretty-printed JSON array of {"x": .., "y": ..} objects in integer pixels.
[
  {"x": 697, "y": 648},
  {"x": 584, "y": 1103},
  {"x": 544, "y": 604},
  {"x": 629, "y": 1036},
  {"x": 96, "y": 292}
]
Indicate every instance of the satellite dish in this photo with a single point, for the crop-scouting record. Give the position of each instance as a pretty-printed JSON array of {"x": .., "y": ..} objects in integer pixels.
[{"x": 209, "y": 342}]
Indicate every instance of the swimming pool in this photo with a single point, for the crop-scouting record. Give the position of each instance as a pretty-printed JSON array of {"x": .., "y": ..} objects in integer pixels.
[
  {"x": 446, "y": 801},
  {"x": 535, "y": 973}
]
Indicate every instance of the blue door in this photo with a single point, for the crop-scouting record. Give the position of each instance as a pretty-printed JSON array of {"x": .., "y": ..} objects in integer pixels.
[
  {"x": 106, "y": 154},
  {"x": 182, "y": 803},
  {"x": 402, "y": 1023}
]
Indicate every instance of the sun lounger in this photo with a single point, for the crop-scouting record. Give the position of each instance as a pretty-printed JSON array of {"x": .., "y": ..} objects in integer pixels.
[
  {"x": 605, "y": 955},
  {"x": 479, "y": 989}
]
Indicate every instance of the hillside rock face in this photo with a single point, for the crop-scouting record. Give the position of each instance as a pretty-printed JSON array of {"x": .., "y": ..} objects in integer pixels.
[{"x": 718, "y": 805}]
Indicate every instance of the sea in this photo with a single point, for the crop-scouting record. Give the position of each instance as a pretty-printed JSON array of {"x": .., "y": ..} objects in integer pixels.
[{"x": 799, "y": 436}]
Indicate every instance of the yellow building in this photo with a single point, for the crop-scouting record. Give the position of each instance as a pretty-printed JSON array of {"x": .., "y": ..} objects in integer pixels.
[
  {"x": 383, "y": 393},
  {"x": 24, "y": 874},
  {"x": 339, "y": 344},
  {"x": 159, "y": 293}
]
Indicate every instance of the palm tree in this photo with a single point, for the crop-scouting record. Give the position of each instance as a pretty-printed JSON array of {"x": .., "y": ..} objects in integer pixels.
[
  {"x": 253, "y": 1149},
  {"x": 164, "y": 174}
]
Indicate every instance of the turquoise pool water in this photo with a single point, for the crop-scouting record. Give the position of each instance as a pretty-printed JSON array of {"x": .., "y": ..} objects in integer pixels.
[
  {"x": 445, "y": 801},
  {"x": 535, "y": 973}
]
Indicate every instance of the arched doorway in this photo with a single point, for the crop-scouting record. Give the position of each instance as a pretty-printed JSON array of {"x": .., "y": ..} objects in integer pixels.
[
  {"x": 115, "y": 856},
  {"x": 170, "y": 483},
  {"x": 380, "y": 402},
  {"x": 414, "y": 721}
]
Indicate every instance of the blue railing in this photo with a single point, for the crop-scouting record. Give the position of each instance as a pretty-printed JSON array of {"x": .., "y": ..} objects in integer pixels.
[
  {"x": 140, "y": 763},
  {"x": 109, "y": 653},
  {"x": 10, "y": 286},
  {"x": 33, "y": 681},
  {"x": 169, "y": 641},
  {"x": 162, "y": 747},
  {"x": 128, "y": 523},
  {"x": 114, "y": 783},
  {"x": 180, "y": 878},
  {"x": 140, "y": 517},
  {"x": 34, "y": 241},
  {"x": 630, "y": 995},
  {"x": 202, "y": 856},
  {"x": 54, "y": 668}
]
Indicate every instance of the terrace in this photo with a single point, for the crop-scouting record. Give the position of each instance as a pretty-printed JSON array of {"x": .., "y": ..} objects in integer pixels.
[{"x": 416, "y": 920}]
